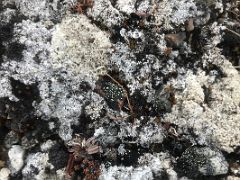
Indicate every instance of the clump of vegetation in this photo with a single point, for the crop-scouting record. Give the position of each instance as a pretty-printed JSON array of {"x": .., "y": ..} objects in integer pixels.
[{"x": 80, "y": 161}]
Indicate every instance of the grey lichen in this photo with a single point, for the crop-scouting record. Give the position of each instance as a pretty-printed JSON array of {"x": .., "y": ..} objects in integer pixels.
[
  {"x": 44, "y": 10},
  {"x": 102, "y": 9}
]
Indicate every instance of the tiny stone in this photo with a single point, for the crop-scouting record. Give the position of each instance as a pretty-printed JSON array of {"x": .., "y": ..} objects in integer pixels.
[
  {"x": 4, "y": 174},
  {"x": 16, "y": 154},
  {"x": 189, "y": 25},
  {"x": 235, "y": 168},
  {"x": 175, "y": 40}
]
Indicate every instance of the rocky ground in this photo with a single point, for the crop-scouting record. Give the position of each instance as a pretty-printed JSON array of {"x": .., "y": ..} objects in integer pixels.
[{"x": 119, "y": 89}]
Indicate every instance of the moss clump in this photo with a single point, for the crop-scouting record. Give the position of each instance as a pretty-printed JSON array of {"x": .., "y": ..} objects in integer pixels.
[
  {"x": 113, "y": 93},
  {"x": 80, "y": 48}
]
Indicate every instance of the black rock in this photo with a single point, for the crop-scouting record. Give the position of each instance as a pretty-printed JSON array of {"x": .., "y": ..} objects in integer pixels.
[{"x": 202, "y": 161}]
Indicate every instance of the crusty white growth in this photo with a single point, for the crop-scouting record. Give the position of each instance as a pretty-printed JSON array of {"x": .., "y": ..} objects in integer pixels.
[
  {"x": 32, "y": 8},
  {"x": 43, "y": 9},
  {"x": 59, "y": 54},
  {"x": 126, "y": 6},
  {"x": 144, "y": 6},
  {"x": 6, "y": 16},
  {"x": 80, "y": 47},
  {"x": 159, "y": 163},
  {"x": 151, "y": 134},
  {"x": 99, "y": 132},
  {"x": 104, "y": 12},
  {"x": 47, "y": 145},
  {"x": 96, "y": 106},
  {"x": 125, "y": 173},
  {"x": 37, "y": 161},
  {"x": 35, "y": 37},
  {"x": 5, "y": 86},
  {"x": 126, "y": 62},
  {"x": 169, "y": 12},
  {"x": 143, "y": 135},
  {"x": 77, "y": 47},
  {"x": 148, "y": 167}
]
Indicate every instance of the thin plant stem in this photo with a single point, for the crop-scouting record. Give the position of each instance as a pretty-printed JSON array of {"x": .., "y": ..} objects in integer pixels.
[
  {"x": 125, "y": 91},
  {"x": 234, "y": 32}
]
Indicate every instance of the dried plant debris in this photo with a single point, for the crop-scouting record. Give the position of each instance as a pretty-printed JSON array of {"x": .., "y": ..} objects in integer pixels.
[
  {"x": 119, "y": 89},
  {"x": 81, "y": 162}
]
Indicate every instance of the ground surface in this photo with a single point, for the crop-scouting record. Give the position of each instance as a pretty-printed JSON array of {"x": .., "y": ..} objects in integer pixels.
[{"x": 119, "y": 89}]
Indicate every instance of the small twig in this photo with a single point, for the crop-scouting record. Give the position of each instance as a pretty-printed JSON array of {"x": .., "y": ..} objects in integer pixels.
[
  {"x": 70, "y": 165},
  {"x": 115, "y": 118},
  {"x": 233, "y": 12},
  {"x": 173, "y": 131},
  {"x": 125, "y": 91},
  {"x": 234, "y": 32}
]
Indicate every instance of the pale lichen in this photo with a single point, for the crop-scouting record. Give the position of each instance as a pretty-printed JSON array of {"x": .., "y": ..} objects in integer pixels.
[{"x": 80, "y": 47}]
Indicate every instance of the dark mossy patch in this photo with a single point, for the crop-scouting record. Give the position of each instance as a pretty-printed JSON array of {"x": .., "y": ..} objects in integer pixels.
[
  {"x": 58, "y": 156},
  {"x": 131, "y": 155},
  {"x": 83, "y": 126},
  {"x": 26, "y": 93},
  {"x": 9, "y": 47},
  {"x": 139, "y": 104},
  {"x": 231, "y": 46},
  {"x": 14, "y": 51},
  {"x": 197, "y": 162},
  {"x": 112, "y": 91}
]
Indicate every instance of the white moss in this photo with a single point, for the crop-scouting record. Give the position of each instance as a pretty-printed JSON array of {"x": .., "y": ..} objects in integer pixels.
[
  {"x": 217, "y": 119},
  {"x": 193, "y": 90},
  {"x": 79, "y": 47}
]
